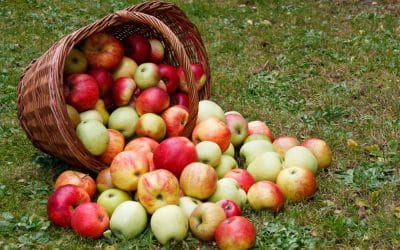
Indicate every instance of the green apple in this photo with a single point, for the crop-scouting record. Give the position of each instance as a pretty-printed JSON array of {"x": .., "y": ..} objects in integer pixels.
[
  {"x": 91, "y": 114},
  {"x": 75, "y": 62},
  {"x": 101, "y": 108},
  {"x": 111, "y": 198},
  {"x": 151, "y": 125},
  {"x": 208, "y": 152},
  {"x": 128, "y": 220},
  {"x": 255, "y": 137},
  {"x": 126, "y": 68},
  {"x": 124, "y": 119},
  {"x": 230, "y": 150},
  {"x": 188, "y": 204},
  {"x": 250, "y": 150},
  {"x": 226, "y": 163},
  {"x": 227, "y": 188},
  {"x": 93, "y": 135},
  {"x": 169, "y": 223},
  {"x": 243, "y": 197},
  {"x": 73, "y": 115},
  {"x": 208, "y": 109},
  {"x": 265, "y": 166},
  {"x": 301, "y": 156}
]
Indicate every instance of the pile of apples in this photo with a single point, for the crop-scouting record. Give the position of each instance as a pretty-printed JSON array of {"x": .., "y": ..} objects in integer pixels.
[{"x": 174, "y": 184}]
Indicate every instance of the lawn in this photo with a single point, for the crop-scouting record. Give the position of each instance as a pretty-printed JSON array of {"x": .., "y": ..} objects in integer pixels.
[{"x": 327, "y": 69}]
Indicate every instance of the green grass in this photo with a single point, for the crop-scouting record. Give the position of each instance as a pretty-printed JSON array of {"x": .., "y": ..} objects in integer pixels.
[{"x": 328, "y": 69}]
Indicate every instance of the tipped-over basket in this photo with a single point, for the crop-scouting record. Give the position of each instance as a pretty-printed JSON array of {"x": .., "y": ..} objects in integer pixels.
[{"x": 41, "y": 106}]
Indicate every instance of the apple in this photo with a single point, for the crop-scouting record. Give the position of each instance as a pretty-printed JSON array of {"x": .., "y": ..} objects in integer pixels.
[
  {"x": 111, "y": 198},
  {"x": 91, "y": 114},
  {"x": 208, "y": 152},
  {"x": 199, "y": 76},
  {"x": 161, "y": 84},
  {"x": 265, "y": 195},
  {"x": 174, "y": 154},
  {"x": 188, "y": 204},
  {"x": 151, "y": 125},
  {"x": 301, "y": 156},
  {"x": 297, "y": 183},
  {"x": 169, "y": 76},
  {"x": 230, "y": 150},
  {"x": 265, "y": 167},
  {"x": 250, "y": 150},
  {"x": 243, "y": 177},
  {"x": 126, "y": 169},
  {"x": 152, "y": 100},
  {"x": 237, "y": 124},
  {"x": 115, "y": 145},
  {"x": 255, "y": 137},
  {"x": 230, "y": 207},
  {"x": 321, "y": 151},
  {"x": 103, "y": 50},
  {"x": 83, "y": 91},
  {"x": 128, "y": 220},
  {"x": 235, "y": 232},
  {"x": 157, "y": 189},
  {"x": 103, "y": 180},
  {"x": 109, "y": 102},
  {"x": 124, "y": 119},
  {"x": 226, "y": 164},
  {"x": 147, "y": 75},
  {"x": 93, "y": 135},
  {"x": 142, "y": 144},
  {"x": 73, "y": 115},
  {"x": 175, "y": 118},
  {"x": 104, "y": 79},
  {"x": 198, "y": 180},
  {"x": 283, "y": 143},
  {"x": 80, "y": 179},
  {"x": 169, "y": 223},
  {"x": 260, "y": 127},
  {"x": 204, "y": 220},
  {"x": 101, "y": 108},
  {"x": 227, "y": 188},
  {"x": 157, "y": 50},
  {"x": 126, "y": 68},
  {"x": 63, "y": 201},
  {"x": 75, "y": 62},
  {"x": 122, "y": 90},
  {"x": 90, "y": 220},
  {"x": 213, "y": 130},
  {"x": 180, "y": 98},
  {"x": 138, "y": 48},
  {"x": 208, "y": 109}
]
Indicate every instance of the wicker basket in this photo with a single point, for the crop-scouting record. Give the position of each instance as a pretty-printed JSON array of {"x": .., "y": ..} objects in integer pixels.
[{"x": 41, "y": 105}]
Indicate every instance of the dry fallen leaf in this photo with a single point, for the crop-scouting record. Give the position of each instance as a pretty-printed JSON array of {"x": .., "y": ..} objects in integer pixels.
[
  {"x": 352, "y": 143},
  {"x": 397, "y": 212}
]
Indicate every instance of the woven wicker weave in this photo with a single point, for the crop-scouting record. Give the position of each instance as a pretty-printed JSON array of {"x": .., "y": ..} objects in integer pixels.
[{"x": 41, "y": 105}]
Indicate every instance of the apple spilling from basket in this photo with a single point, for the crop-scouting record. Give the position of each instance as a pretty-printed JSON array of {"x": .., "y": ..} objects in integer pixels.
[{"x": 126, "y": 115}]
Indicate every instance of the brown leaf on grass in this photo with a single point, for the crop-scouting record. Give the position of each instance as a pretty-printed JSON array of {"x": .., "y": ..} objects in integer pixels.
[{"x": 397, "y": 212}]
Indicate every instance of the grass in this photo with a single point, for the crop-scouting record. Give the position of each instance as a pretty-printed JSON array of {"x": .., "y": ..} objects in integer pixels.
[{"x": 328, "y": 69}]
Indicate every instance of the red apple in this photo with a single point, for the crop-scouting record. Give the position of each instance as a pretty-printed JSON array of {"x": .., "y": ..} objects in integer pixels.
[
  {"x": 152, "y": 100},
  {"x": 259, "y": 127},
  {"x": 284, "y": 143},
  {"x": 242, "y": 176},
  {"x": 158, "y": 188},
  {"x": 321, "y": 151},
  {"x": 157, "y": 50},
  {"x": 151, "y": 125},
  {"x": 199, "y": 76},
  {"x": 174, "y": 154},
  {"x": 82, "y": 91},
  {"x": 297, "y": 183},
  {"x": 62, "y": 203},
  {"x": 198, "y": 180},
  {"x": 104, "y": 79},
  {"x": 103, "y": 180},
  {"x": 236, "y": 233},
  {"x": 122, "y": 90},
  {"x": 175, "y": 118},
  {"x": 138, "y": 48},
  {"x": 90, "y": 220},
  {"x": 230, "y": 207},
  {"x": 109, "y": 102},
  {"x": 103, "y": 50},
  {"x": 80, "y": 179},
  {"x": 169, "y": 76},
  {"x": 265, "y": 195},
  {"x": 180, "y": 98},
  {"x": 204, "y": 220},
  {"x": 213, "y": 130},
  {"x": 115, "y": 145}
]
